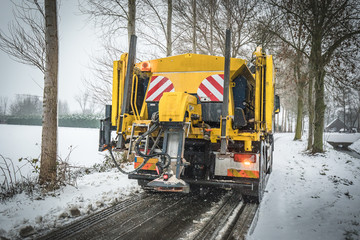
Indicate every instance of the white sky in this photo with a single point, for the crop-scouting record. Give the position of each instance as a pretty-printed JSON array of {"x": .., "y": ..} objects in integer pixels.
[{"x": 77, "y": 43}]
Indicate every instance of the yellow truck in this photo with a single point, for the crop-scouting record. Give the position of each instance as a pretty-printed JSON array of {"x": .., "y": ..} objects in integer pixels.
[{"x": 193, "y": 120}]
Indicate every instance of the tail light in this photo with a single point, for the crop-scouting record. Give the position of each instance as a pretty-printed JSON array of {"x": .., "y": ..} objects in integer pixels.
[{"x": 247, "y": 159}]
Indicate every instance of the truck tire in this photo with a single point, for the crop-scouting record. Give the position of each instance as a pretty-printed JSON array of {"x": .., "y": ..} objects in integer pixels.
[{"x": 271, "y": 158}]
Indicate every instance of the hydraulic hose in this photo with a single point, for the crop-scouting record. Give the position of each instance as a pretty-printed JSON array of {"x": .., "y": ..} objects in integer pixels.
[
  {"x": 164, "y": 162},
  {"x": 146, "y": 157}
]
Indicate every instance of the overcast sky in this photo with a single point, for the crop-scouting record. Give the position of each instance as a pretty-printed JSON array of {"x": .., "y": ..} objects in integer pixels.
[{"x": 77, "y": 43}]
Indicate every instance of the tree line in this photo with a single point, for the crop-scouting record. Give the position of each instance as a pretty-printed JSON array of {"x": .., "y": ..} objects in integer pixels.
[
  {"x": 315, "y": 44},
  {"x": 27, "y": 109}
]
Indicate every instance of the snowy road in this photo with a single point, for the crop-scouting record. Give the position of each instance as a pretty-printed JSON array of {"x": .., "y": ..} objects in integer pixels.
[
  {"x": 217, "y": 215},
  {"x": 310, "y": 197}
]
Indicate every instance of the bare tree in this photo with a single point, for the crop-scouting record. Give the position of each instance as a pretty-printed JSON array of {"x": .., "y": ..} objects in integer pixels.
[
  {"x": 286, "y": 86},
  {"x": 85, "y": 102},
  {"x": 194, "y": 9},
  {"x": 33, "y": 40},
  {"x": 330, "y": 25},
  {"x": 156, "y": 26},
  {"x": 185, "y": 18},
  {"x": 49, "y": 126},
  {"x": 99, "y": 84},
  {"x": 25, "y": 41},
  {"x": 63, "y": 108},
  {"x": 168, "y": 29},
  {"x": 26, "y": 105},
  {"x": 3, "y": 105},
  {"x": 111, "y": 16},
  {"x": 343, "y": 78},
  {"x": 203, "y": 23},
  {"x": 114, "y": 18}
]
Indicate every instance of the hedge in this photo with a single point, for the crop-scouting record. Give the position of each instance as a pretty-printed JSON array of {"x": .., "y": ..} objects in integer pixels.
[{"x": 74, "y": 120}]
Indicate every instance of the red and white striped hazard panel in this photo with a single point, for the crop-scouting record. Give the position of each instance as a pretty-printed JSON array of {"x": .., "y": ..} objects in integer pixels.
[
  {"x": 158, "y": 85},
  {"x": 211, "y": 88}
]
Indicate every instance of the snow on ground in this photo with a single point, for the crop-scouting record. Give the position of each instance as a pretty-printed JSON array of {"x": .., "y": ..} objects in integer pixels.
[
  {"x": 310, "y": 197},
  {"x": 355, "y": 146},
  {"x": 17, "y": 141},
  {"x": 93, "y": 192}
]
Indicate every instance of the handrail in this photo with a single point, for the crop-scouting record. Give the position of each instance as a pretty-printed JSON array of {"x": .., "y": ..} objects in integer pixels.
[{"x": 134, "y": 109}]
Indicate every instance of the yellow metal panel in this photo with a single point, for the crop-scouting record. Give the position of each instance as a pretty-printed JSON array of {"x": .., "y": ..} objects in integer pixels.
[
  {"x": 247, "y": 146},
  {"x": 258, "y": 65},
  {"x": 115, "y": 94},
  {"x": 192, "y": 63},
  {"x": 269, "y": 93},
  {"x": 119, "y": 71},
  {"x": 172, "y": 106}
]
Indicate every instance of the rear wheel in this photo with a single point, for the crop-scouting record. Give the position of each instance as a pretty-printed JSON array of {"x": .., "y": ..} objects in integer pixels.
[{"x": 271, "y": 153}]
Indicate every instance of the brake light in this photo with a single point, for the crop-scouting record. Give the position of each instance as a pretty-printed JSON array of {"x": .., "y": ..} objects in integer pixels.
[
  {"x": 145, "y": 67},
  {"x": 247, "y": 159}
]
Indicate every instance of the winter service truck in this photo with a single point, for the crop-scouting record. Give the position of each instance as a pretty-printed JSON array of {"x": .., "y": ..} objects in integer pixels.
[{"x": 193, "y": 120}]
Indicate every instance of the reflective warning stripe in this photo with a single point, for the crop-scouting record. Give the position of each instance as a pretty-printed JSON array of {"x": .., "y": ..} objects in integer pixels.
[
  {"x": 242, "y": 173},
  {"x": 150, "y": 165},
  {"x": 158, "y": 85},
  {"x": 211, "y": 88},
  {"x": 147, "y": 166}
]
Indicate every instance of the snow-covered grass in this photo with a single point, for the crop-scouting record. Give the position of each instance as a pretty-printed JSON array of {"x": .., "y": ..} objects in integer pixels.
[
  {"x": 17, "y": 141},
  {"x": 90, "y": 193},
  {"x": 310, "y": 197},
  {"x": 93, "y": 192}
]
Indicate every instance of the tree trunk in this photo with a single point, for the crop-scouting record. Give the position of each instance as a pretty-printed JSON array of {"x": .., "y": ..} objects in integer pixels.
[
  {"x": 131, "y": 19},
  {"x": 311, "y": 113},
  {"x": 283, "y": 121},
  {"x": 318, "y": 74},
  {"x": 212, "y": 14},
  {"x": 228, "y": 14},
  {"x": 289, "y": 122},
  {"x": 49, "y": 125},
  {"x": 300, "y": 109},
  {"x": 319, "y": 113},
  {"x": 344, "y": 107},
  {"x": 168, "y": 30},
  {"x": 194, "y": 27}
]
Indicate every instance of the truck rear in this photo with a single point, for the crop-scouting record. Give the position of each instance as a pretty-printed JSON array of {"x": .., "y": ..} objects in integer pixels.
[{"x": 170, "y": 117}]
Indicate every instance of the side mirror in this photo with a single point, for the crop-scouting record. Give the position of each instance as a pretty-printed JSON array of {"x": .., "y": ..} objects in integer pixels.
[{"x": 277, "y": 104}]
